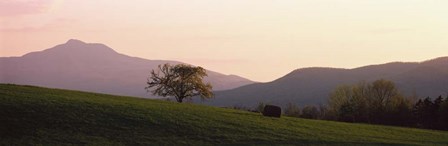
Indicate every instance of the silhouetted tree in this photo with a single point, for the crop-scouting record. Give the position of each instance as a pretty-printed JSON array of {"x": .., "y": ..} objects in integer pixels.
[
  {"x": 260, "y": 107},
  {"x": 292, "y": 110},
  {"x": 431, "y": 114},
  {"x": 378, "y": 102},
  {"x": 398, "y": 112},
  {"x": 438, "y": 102},
  {"x": 417, "y": 111},
  {"x": 360, "y": 102},
  {"x": 325, "y": 114},
  {"x": 310, "y": 112},
  {"x": 180, "y": 81},
  {"x": 426, "y": 113},
  {"x": 340, "y": 103},
  {"x": 346, "y": 113},
  {"x": 381, "y": 92},
  {"x": 443, "y": 115}
]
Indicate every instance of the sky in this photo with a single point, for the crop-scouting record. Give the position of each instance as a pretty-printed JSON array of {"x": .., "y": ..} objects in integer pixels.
[{"x": 261, "y": 40}]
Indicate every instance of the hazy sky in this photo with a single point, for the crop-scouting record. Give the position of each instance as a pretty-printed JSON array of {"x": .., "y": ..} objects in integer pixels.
[{"x": 257, "y": 39}]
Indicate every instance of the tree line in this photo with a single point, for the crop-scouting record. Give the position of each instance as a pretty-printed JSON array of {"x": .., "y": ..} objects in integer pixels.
[{"x": 378, "y": 102}]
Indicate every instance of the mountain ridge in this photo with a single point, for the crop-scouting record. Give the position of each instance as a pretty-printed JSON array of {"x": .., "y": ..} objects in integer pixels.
[
  {"x": 93, "y": 67},
  {"x": 313, "y": 85}
]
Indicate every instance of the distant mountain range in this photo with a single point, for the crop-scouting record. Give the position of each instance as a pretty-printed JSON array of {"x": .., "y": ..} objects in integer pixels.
[
  {"x": 314, "y": 85},
  {"x": 93, "y": 67}
]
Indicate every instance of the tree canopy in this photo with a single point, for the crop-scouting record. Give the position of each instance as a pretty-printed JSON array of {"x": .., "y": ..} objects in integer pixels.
[
  {"x": 180, "y": 81},
  {"x": 376, "y": 102}
]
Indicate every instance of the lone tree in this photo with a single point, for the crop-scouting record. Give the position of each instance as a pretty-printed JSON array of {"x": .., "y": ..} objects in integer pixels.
[{"x": 180, "y": 81}]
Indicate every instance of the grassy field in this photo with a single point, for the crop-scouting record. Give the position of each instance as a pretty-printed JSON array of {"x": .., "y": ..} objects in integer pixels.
[{"x": 33, "y": 115}]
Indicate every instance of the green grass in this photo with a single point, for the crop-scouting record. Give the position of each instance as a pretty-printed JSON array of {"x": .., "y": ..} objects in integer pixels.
[{"x": 40, "y": 116}]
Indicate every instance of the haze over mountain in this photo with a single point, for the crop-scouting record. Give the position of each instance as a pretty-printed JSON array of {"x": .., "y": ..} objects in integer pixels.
[
  {"x": 314, "y": 85},
  {"x": 93, "y": 67}
]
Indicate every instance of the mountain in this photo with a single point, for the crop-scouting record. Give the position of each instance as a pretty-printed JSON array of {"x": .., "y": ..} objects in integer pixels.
[
  {"x": 314, "y": 85},
  {"x": 92, "y": 67}
]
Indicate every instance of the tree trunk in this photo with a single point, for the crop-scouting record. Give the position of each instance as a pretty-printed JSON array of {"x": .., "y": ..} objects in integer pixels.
[{"x": 180, "y": 99}]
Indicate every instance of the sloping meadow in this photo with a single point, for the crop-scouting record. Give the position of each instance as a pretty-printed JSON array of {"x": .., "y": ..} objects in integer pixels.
[{"x": 33, "y": 115}]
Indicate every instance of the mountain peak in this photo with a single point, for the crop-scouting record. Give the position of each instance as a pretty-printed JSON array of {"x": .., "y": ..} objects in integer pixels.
[
  {"x": 81, "y": 48},
  {"x": 74, "y": 41},
  {"x": 76, "y": 49}
]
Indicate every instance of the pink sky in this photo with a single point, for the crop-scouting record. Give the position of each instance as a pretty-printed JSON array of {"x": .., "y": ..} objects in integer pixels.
[{"x": 257, "y": 39}]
